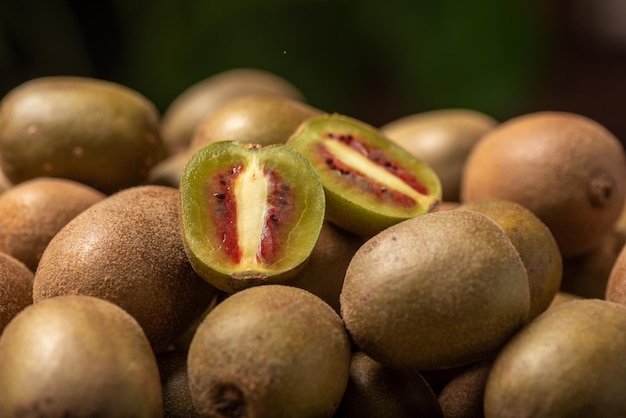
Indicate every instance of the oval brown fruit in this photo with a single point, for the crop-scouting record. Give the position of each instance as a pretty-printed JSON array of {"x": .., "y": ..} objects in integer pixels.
[
  {"x": 567, "y": 169},
  {"x": 92, "y": 131}
]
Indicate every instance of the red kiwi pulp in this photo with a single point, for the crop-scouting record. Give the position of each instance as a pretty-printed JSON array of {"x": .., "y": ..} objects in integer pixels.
[
  {"x": 370, "y": 182},
  {"x": 250, "y": 214}
]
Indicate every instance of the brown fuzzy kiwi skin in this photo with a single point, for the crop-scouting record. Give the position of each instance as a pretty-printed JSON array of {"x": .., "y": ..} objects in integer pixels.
[
  {"x": 326, "y": 267},
  {"x": 32, "y": 212},
  {"x": 535, "y": 244},
  {"x": 568, "y": 362},
  {"x": 16, "y": 288},
  {"x": 269, "y": 351},
  {"x": 77, "y": 356},
  {"x": 443, "y": 139},
  {"x": 615, "y": 290},
  {"x": 199, "y": 100},
  {"x": 566, "y": 168},
  {"x": 462, "y": 396},
  {"x": 262, "y": 119},
  {"x": 175, "y": 385},
  {"x": 469, "y": 279},
  {"x": 375, "y": 390},
  {"x": 93, "y": 131},
  {"x": 128, "y": 250}
]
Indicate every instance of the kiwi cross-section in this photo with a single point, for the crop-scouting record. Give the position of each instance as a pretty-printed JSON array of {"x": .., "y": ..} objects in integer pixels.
[
  {"x": 370, "y": 182},
  {"x": 250, "y": 214}
]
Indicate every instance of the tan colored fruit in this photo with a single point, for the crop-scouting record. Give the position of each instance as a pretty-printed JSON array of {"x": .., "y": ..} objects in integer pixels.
[
  {"x": 269, "y": 351},
  {"x": 16, "y": 288},
  {"x": 5, "y": 184},
  {"x": 437, "y": 291},
  {"x": 535, "y": 244},
  {"x": 175, "y": 384},
  {"x": 563, "y": 297},
  {"x": 443, "y": 139},
  {"x": 568, "y": 362},
  {"x": 169, "y": 171},
  {"x": 375, "y": 390},
  {"x": 616, "y": 283},
  {"x": 92, "y": 131},
  {"x": 193, "y": 104},
  {"x": 128, "y": 250},
  {"x": 32, "y": 212},
  {"x": 462, "y": 397},
  {"x": 587, "y": 275},
  {"x": 326, "y": 267},
  {"x": 567, "y": 169},
  {"x": 77, "y": 356},
  {"x": 254, "y": 119}
]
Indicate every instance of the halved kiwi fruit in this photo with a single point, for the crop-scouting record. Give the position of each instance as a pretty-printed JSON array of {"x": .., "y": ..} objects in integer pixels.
[
  {"x": 250, "y": 215},
  {"x": 370, "y": 182}
]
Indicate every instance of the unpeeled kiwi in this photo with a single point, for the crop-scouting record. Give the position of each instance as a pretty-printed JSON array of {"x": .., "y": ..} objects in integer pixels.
[
  {"x": 377, "y": 391},
  {"x": 567, "y": 362},
  {"x": 437, "y": 291},
  {"x": 534, "y": 242},
  {"x": 93, "y": 131},
  {"x": 128, "y": 250},
  {"x": 202, "y": 98},
  {"x": 33, "y": 211},
  {"x": 77, "y": 356},
  {"x": 175, "y": 385},
  {"x": 568, "y": 169},
  {"x": 463, "y": 395},
  {"x": 269, "y": 351},
  {"x": 16, "y": 288}
]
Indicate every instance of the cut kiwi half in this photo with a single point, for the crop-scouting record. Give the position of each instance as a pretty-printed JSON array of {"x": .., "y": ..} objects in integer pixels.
[
  {"x": 370, "y": 182},
  {"x": 250, "y": 215}
]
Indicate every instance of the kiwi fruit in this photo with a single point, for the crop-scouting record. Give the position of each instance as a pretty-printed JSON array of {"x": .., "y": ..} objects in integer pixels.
[
  {"x": 169, "y": 171},
  {"x": 175, "y": 385},
  {"x": 32, "y": 212},
  {"x": 437, "y": 291},
  {"x": 567, "y": 362},
  {"x": 535, "y": 244},
  {"x": 5, "y": 184},
  {"x": 77, "y": 356},
  {"x": 325, "y": 268},
  {"x": 262, "y": 119},
  {"x": 615, "y": 289},
  {"x": 250, "y": 215},
  {"x": 443, "y": 139},
  {"x": 128, "y": 249},
  {"x": 375, "y": 390},
  {"x": 196, "y": 102},
  {"x": 462, "y": 396},
  {"x": 563, "y": 297},
  {"x": 370, "y": 182},
  {"x": 587, "y": 274},
  {"x": 16, "y": 288},
  {"x": 569, "y": 170},
  {"x": 269, "y": 351}
]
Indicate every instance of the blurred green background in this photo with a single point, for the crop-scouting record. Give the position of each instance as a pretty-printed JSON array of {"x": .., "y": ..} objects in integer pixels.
[{"x": 374, "y": 60}]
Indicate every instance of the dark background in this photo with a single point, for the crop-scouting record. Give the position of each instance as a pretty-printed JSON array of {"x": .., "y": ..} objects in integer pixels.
[{"x": 374, "y": 60}]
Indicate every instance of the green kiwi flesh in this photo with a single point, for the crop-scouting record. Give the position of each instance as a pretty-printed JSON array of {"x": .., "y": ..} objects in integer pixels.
[
  {"x": 370, "y": 182},
  {"x": 250, "y": 215}
]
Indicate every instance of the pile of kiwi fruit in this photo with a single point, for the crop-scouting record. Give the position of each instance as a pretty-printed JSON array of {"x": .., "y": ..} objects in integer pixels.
[{"x": 246, "y": 254}]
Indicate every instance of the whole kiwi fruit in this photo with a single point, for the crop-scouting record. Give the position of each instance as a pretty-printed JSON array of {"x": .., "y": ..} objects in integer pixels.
[
  {"x": 567, "y": 362},
  {"x": 77, "y": 356},
  {"x": 16, "y": 288},
  {"x": 375, "y": 390},
  {"x": 93, "y": 131},
  {"x": 269, "y": 351},
  {"x": 442, "y": 138},
  {"x": 262, "y": 119},
  {"x": 463, "y": 395},
  {"x": 32, "y": 212},
  {"x": 568, "y": 169},
  {"x": 128, "y": 249},
  {"x": 437, "y": 291},
  {"x": 196, "y": 102},
  {"x": 175, "y": 385},
  {"x": 535, "y": 244}
]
